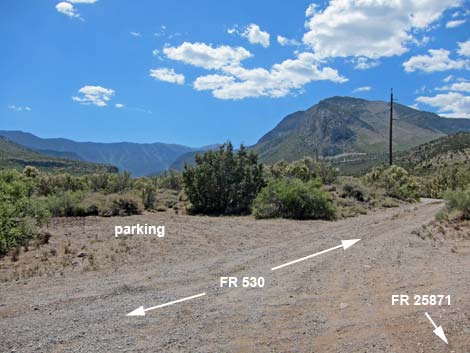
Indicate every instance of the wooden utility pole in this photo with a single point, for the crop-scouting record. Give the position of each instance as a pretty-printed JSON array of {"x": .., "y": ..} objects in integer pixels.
[{"x": 391, "y": 128}]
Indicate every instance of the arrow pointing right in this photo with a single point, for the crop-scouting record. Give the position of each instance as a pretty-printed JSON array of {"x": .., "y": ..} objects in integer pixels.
[
  {"x": 438, "y": 330},
  {"x": 345, "y": 244}
]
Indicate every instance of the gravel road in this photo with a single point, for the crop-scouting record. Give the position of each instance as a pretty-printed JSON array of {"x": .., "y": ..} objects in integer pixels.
[{"x": 336, "y": 302}]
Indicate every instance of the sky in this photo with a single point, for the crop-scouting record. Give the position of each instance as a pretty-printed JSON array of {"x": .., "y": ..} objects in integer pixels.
[{"x": 204, "y": 72}]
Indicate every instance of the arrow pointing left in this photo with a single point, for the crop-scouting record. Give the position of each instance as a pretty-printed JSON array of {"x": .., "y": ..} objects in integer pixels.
[{"x": 140, "y": 311}]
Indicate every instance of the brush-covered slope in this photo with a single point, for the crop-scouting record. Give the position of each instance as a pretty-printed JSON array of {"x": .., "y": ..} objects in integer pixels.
[
  {"x": 448, "y": 151},
  {"x": 14, "y": 156},
  {"x": 345, "y": 125}
]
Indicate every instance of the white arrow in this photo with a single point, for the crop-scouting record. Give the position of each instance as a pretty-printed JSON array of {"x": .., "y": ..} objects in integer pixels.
[
  {"x": 345, "y": 244},
  {"x": 140, "y": 311},
  {"x": 438, "y": 331}
]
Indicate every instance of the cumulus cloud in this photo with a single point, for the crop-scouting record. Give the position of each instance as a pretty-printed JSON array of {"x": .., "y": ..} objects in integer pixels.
[
  {"x": 286, "y": 41},
  {"x": 67, "y": 9},
  {"x": 311, "y": 9},
  {"x": 119, "y": 105},
  {"x": 135, "y": 34},
  {"x": 16, "y": 108},
  {"x": 206, "y": 56},
  {"x": 255, "y": 35},
  {"x": 464, "y": 48},
  {"x": 362, "y": 89},
  {"x": 451, "y": 104},
  {"x": 370, "y": 28},
  {"x": 437, "y": 60},
  {"x": 463, "y": 86},
  {"x": 237, "y": 82},
  {"x": 167, "y": 75},
  {"x": 455, "y": 23},
  {"x": 362, "y": 63},
  {"x": 94, "y": 95}
]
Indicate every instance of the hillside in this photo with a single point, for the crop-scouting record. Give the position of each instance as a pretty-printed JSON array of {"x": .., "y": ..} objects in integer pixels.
[
  {"x": 14, "y": 156},
  {"x": 140, "y": 159},
  {"x": 447, "y": 151},
  {"x": 345, "y": 125}
]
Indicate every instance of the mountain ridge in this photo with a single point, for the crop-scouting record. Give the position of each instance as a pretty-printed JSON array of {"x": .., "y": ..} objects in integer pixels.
[{"x": 339, "y": 125}]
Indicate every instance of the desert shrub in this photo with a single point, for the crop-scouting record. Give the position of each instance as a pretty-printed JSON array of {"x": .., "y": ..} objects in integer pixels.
[
  {"x": 30, "y": 172},
  {"x": 20, "y": 215},
  {"x": 293, "y": 198},
  {"x": 49, "y": 184},
  {"x": 111, "y": 205},
  {"x": 120, "y": 182},
  {"x": 305, "y": 169},
  {"x": 170, "y": 179},
  {"x": 66, "y": 204},
  {"x": 446, "y": 178},
  {"x": 459, "y": 201},
  {"x": 396, "y": 181},
  {"x": 223, "y": 182},
  {"x": 98, "y": 182},
  {"x": 149, "y": 196},
  {"x": 353, "y": 190}
]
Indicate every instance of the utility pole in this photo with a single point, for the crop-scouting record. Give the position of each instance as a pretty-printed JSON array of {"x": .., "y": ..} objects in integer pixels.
[{"x": 391, "y": 128}]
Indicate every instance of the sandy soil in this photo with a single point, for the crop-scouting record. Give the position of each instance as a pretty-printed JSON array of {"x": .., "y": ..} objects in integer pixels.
[{"x": 73, "y": 294}]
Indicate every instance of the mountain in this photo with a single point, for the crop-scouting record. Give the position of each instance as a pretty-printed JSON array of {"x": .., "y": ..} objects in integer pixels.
[
  {"x": 346, "y": 126},
  {"x": 189, "y": 158},
  {"x": 14, "y": 156},
  {"x": 139, "y": 158}
]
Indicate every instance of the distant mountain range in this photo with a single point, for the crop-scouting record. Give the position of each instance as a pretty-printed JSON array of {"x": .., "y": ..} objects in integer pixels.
[
  {"x": 141, "y": 159},
  {"x": 336, "y": 128},
  {"x": 14, "y": 156},
  {"x": 345, "y": 125}
]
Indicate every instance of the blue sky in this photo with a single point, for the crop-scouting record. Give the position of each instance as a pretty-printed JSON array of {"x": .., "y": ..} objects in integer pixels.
[{"x": 202, "y": 72}]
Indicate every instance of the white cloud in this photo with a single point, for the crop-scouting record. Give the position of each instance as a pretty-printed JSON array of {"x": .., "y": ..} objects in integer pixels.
[
  {"x": 463, "y": 86},
  {"x": 16, "y": 108},
  {"x": 255, "y": 35},
  {"x": 282, "y": 79},
  {"x": 363, "y": 63},
  {"x": 362, "y": 89},
  {"x": 135, "y": 34},
  {"x": 451, "y": 104},
  {"x": 82, "y": 1},
  {"x": 286, "y": 41},
  {"x": 67, "y": 9},
  {"x": 94, "y": 95},
  {"x": 167, "y": 75},
  {"x": 370, "y": 28},
  {"x": 232, "y": 30},
  {"x": 438, "y": 60},
  {"x": 464, "y": 48},
  {"x": 119, "y": 105},
  {"x": 448, "y": 78},
  {"x": 311, "y": 9},
  {"x": 206, "y": 56},
  {"x": 455, "y": 23}
]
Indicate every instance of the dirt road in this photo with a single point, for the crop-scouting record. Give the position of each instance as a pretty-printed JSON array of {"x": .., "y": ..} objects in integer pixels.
[{"x": 337, "y": 302}]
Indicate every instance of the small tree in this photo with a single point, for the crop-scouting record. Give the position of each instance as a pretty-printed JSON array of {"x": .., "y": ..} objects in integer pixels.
[{"x": 223, "y": 182}]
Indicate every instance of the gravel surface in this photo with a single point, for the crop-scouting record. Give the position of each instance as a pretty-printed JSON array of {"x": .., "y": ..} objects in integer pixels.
[{"x": 76, "y": 300}]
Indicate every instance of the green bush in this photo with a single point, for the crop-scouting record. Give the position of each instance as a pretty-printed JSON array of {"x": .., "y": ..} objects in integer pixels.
[
  {"x": 396, "y": 181},
  {"x": 66, "y": 204},
  {"x": 293, "y": 198},
  {"x": 110, "y": 205},
  {"x": 20, "y": 215},
  {"x": 149, "y": 197},
  {"x": 223, "y": 182},
  {"x": 305, "y": 169},
  {"x": 459, "y": 201},
  {"x": 354, "y": 190}
]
